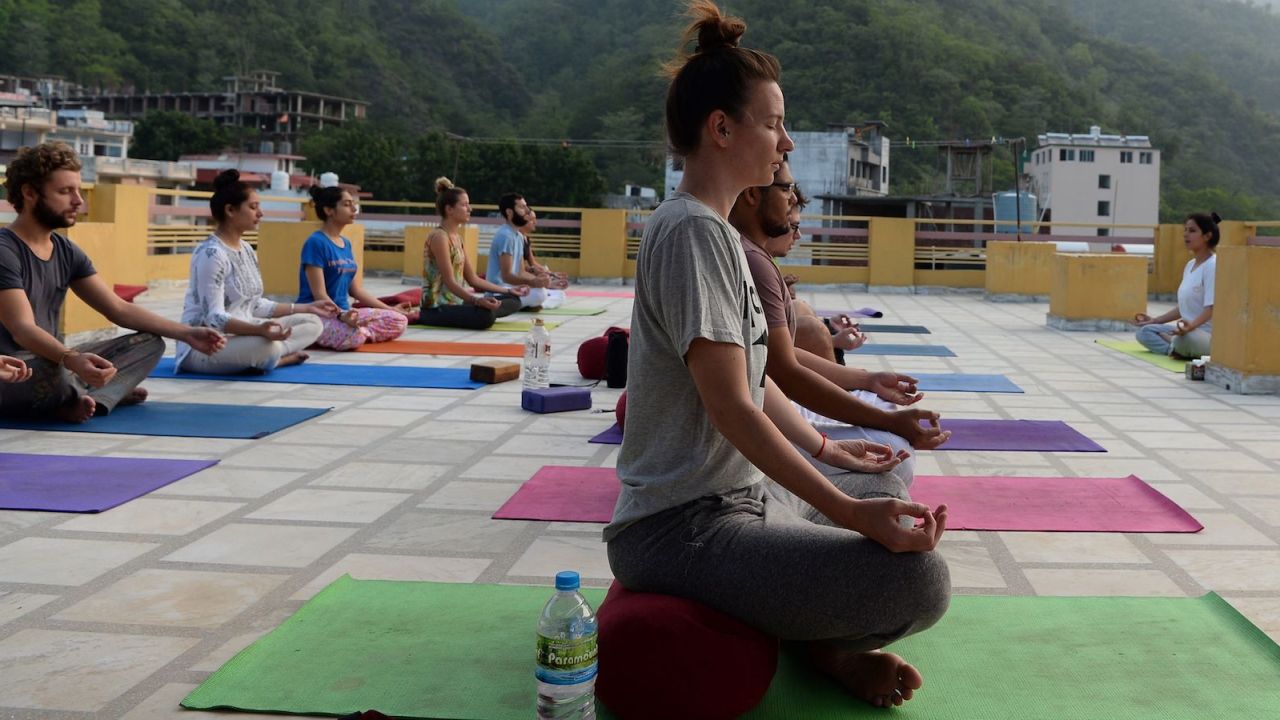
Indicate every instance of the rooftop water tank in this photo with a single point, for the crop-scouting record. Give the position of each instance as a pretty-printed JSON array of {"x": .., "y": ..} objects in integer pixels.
[
  {"x": 280, "y": 181},
  {"x": 1006, "y": 208},
  {"x": 329, "y": 179}
]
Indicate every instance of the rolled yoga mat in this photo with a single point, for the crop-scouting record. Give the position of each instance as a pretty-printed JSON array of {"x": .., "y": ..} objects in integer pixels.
[
  {"x": 171, "y": 419},
  {"x": 84, "y": 484},
  {"x": 1133, "y": 348},
  {"x": 906, "y": 350},
  {"x": 1004, "y": 435},
  {"x": 313, "y": 373},
  {"x": 422, "y": 347},
  {"x": 1032, "y": 504},
  {"x": 465, "y": 652}
]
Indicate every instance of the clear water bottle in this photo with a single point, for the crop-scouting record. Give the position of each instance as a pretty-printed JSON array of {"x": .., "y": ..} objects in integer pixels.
[
  {"x": 537, "y": 356},
  {"x": 567, "y": 649}
]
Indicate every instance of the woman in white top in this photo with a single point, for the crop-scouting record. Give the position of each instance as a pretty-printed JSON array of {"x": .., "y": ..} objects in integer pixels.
[
  {"x": 1192, "y": 332},
  {"x": 225, "y": 293}
]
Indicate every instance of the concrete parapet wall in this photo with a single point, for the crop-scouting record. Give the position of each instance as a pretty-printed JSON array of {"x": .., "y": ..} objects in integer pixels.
[{"x": 1096, "y": 287}]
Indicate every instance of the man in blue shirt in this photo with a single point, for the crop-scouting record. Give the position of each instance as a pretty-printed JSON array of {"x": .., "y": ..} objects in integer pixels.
[{"x": 507, "y": 256}]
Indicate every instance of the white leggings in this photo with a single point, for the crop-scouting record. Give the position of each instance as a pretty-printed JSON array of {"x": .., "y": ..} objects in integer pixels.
[{"x": 251, "y": 352}]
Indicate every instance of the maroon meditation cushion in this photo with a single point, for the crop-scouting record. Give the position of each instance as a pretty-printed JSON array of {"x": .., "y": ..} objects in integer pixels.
[
  {"x": 620, "y": 411},
  {"x": 591, "y": 355},
  {"x": 413, "y": 296},
  {"x": 129, "y": 292},
  {"x": 666, "y": 657}
]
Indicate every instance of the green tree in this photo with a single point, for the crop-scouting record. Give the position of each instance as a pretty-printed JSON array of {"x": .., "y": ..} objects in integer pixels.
[{"x": 166, "y": 135}]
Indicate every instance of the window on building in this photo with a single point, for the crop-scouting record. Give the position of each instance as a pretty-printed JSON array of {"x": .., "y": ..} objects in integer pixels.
[
  {"x": 1126, "y": 156},
  {"x": 1066, "y": 155},
  {"x": 884, "y": 175},
  {"x": 1104, "y": 232},
  {"x": 1104, "y": 182},
  {"x": 1086, "y": 156},
  {"x": 1104, "y": 208},
  {"x": 1144, "y": 158}
]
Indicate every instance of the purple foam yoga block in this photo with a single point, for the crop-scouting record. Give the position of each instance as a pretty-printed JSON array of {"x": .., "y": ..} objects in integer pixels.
[{"x": 557, "y": 399}]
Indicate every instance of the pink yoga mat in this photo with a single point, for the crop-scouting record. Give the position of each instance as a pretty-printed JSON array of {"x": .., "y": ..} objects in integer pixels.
[{"x": 1047, "y": 504}]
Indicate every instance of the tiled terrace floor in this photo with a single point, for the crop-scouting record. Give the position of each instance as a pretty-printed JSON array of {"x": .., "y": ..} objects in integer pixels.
[{"x": 119, "y": 615}]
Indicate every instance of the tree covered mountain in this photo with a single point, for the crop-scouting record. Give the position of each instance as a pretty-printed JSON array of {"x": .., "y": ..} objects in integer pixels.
[{"x": 1199, "y": 76}]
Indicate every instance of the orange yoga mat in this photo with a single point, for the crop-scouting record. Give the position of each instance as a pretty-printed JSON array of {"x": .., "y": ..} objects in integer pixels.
[{"x": 424, "y": 347}]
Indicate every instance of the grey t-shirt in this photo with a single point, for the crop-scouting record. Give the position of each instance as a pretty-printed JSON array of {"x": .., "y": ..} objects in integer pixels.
[
  {"x": 44, "y": 281},
  {"x": 692, "y": 281}
]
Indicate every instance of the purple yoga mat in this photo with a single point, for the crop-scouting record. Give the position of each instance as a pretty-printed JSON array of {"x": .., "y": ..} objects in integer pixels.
[
  {"x": 1009, "y": 435},
  {"x": 612, "y": 436},
  {"x": 1029, "y": 504},
  {"x": 84, "y": 484},
  {"x": 1053, "y": 504},
  {"x": 568, "y": 494},
  {"x": 865, "y": 312}
]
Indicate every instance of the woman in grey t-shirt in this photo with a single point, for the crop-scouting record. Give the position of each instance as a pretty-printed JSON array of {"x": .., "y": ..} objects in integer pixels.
[{"x": 798, "y": 555}]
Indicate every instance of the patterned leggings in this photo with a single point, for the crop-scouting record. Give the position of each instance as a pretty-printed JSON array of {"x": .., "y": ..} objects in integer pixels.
[{"x": 373, "y": 326}]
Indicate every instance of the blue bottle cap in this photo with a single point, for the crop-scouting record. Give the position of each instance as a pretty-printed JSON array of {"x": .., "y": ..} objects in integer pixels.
[{"x": 567, "y": 580}]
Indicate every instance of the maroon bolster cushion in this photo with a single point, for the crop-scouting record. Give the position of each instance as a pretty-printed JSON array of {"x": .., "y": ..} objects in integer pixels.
[
  {"x": 620, "y": 411},
  {"x": 666, "y": 657},
  {"x": 591, "y": 358},
  {"x": 129, "y": 292}
]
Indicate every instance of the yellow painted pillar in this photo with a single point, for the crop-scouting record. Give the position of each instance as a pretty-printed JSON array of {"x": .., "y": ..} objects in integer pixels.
[
  {"x": 128, "y": 207},
  {"x": 1246, "y": 320},
  {"x": 415, "y": 243},
  {"x": 1019, "y": 270},
  {"x": 603, "y": 253},
  {"x": 1170, "y": 256},
  {"x": 280, "y": 253},
  {"x": 97, "y": 240},
  {"x": 1097, "y": 291},
  {"x": 892, "y": 253},
  {"x": 1235, "y": 232},
  {"x": 471, "y": 246}
]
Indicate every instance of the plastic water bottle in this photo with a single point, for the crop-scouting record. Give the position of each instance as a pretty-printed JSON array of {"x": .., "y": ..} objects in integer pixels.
[
  {"x": 537, "y": 356},
  {"x": 567, "y": 650}
]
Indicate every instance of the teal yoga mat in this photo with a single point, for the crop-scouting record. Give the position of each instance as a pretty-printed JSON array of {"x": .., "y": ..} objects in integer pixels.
[
  {"x": 333, "y": 374},
  {"x": 464, "y": 652},
  {"x": 875, "y": 348},
  {"x": 172, "y": 419}
]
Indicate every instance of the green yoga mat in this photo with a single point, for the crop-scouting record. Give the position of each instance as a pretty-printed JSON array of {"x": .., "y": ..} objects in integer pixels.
[
  {"x": 506, "y": 326},
  {"x": 1135, "y": 349},
  {"x": 571, "y": 311},
  {"x": 465, "y": 652}
]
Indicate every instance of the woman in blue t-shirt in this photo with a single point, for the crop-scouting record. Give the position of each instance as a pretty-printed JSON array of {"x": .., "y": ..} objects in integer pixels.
[{"x": 329, "y": 272}]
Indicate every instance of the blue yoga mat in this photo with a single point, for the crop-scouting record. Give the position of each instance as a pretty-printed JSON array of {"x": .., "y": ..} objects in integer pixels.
[
  {"x": 243, "y": 422},
  {"x": 884, "y": 328},
  {"x": 327, "y": 374},
  {"x": 917, "y": 350},
  {"x": 955, "y": 382}
]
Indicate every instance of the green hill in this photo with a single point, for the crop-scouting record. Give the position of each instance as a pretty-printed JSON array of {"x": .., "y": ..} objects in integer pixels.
[{"x": 1199, "y": 76}]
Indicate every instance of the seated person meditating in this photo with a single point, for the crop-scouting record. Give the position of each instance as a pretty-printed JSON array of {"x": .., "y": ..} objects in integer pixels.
[
  {"x": 446, "y": 274},
  {"x": 1191, "y": 335},
  {"x": 559, "y": 280},
  {"x": 821, "y": 336},
  {"x": 329, "y": 272},
  {"x": 225, "y": 292},
  {"x": 763, "y": 216},
  {"x": 37, "y": 267},
  {"x": 717, "y": 505},
  {"x": 507, "y": 257}
]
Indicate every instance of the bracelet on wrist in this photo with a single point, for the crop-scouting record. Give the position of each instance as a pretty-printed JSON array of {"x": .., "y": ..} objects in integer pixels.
[
  {"x": 821, "y": 447},
  {"x": 62, "y": 359}
]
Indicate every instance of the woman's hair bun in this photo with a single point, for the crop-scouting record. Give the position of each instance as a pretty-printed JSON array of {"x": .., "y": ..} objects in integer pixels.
[
  {"x": 443, "y": 183},
  {"x": 315, "y": 192},
  {"x": 715, "y": 30},
  {"x": 226, "y": 178},
  {"x": 1216, "y": 218}
]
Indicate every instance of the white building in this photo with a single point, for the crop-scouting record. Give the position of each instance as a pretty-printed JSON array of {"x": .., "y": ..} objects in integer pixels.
[
  {"x": 91, "y": 134},
  {"x": 1097, "y": 180},
  {"x": 844, "y": 160}
]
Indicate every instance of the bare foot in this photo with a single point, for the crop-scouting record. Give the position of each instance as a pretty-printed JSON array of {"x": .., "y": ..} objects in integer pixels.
[
  {"x": 79, "y": 411},
  {"x": 880, "y": 678},
  {"x": 137, "y": 396},
  {"x": 293, "y": 359}
]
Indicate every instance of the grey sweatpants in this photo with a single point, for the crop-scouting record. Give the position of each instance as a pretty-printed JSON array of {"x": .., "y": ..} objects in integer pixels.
[
  {"x": 771, "y": 560},
  {"x": 52, "y": 387}
]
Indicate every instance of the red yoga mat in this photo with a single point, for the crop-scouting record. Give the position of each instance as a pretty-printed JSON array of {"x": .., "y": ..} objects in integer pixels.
[{"x": 1044, "y": 504}]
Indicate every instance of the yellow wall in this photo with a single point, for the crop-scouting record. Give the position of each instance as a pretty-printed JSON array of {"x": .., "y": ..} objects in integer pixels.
[
  {"x": 280, "y": 253},
  {"x": 1019, "y": 268},
  {"x": 168, "y": 267},
  {"x": 1098, "y": 287},
  {"x": 892, "y": 248},
  {"x": 604, "y": 243},
  {"x": 97, "y": 240},
  {"x": 1170, "y": 256},
  {"x": 1246, "y": 310},
  {"x": 128, "y": 207}
]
